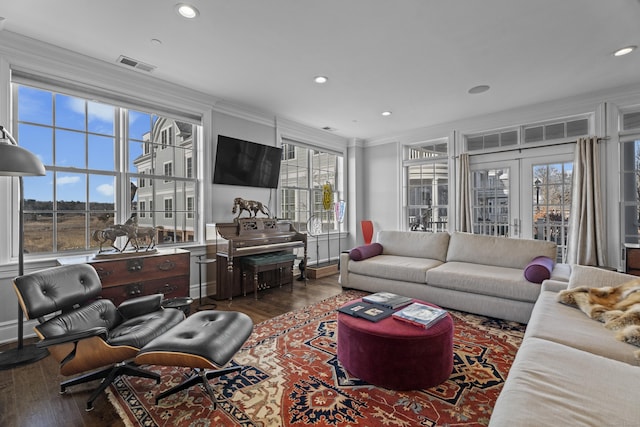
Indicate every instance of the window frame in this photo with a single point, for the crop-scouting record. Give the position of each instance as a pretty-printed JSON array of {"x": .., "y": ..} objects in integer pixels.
[
  {"x": 120, "y": 173},
  {"x": 427, "y": 153},
  {"x": 307, "y": 198}
]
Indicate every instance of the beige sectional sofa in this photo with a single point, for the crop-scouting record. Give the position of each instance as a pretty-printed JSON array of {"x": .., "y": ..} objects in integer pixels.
[
  {"x": 461, "y": 271},
  {"x": 570, "y": 369}
]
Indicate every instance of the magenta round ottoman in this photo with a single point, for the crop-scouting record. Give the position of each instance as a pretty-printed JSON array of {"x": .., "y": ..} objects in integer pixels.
[{"x": 394, "y": 354}]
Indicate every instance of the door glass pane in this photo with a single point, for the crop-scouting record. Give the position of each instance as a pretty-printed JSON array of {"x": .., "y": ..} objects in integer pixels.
[
  {"x": 491, "y": 202},
  {"x": 428, "y": 196},
  {"x": 631, "y": 190},
  {"x": 552, "y": 203}
]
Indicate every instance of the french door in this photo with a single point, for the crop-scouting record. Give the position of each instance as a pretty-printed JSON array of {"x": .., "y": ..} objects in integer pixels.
[
  {"x": 494, "y": 201},
  {"x": 528, "y": 197}
]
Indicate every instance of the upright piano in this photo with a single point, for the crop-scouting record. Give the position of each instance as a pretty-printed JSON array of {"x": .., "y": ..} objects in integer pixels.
[{"x": 250, "y": 236}]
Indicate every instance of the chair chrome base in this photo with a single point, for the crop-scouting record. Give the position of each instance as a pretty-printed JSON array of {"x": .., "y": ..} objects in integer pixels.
[
  {"x": 108, "y": 375},
  {"x": 200, "y": 376}
]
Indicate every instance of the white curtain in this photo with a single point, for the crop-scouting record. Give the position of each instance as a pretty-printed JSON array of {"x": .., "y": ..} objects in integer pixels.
[
  {"x": 586, "y": 244},
  {"x": 465, "y": 223}
]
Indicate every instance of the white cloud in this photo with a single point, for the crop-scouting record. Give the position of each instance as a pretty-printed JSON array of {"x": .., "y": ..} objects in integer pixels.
[
  {"x": 105, "y": 189},
  {"x": 96, "y": 110},
  {"x": 102, "y": 112},
  {"x": 64, "y": 180}
]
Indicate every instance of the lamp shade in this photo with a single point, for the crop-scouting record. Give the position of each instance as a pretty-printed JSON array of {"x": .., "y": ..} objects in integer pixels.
[{"x": 16, "y": 161}]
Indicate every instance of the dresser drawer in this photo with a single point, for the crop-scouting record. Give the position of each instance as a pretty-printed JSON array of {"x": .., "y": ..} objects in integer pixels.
[
  {"x": 135, "y": 269},
  {"x": 166, "y": 272},
  {"x": 171, "y": 287}
]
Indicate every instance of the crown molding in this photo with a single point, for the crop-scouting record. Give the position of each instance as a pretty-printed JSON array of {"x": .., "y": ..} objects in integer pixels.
[
  {"x": 245, "y": 113},
  {"x": 37, "y": 57},
  {"x": 533, "y": 113},
  {"x": 298, "y": 132}
]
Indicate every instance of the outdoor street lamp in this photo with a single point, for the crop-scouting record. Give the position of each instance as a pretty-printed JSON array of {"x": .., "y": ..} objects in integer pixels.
[{"x": 537, "y": 183}]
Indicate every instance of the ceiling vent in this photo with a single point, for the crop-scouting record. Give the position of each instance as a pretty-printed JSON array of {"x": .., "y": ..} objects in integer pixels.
[{"x": 129, "y": 62}]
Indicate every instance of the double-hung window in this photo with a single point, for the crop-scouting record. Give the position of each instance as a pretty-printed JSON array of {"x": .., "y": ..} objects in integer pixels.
[
  {"x": 101, "y": 162},
  {"x": 311, "y": 183}
]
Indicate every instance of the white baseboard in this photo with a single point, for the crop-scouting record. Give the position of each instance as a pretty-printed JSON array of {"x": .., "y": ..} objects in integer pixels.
[{"x": 9, "y": 330}]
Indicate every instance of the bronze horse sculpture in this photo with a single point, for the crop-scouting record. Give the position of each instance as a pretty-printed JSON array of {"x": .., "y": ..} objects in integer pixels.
[
  {"x": 129, "y": 229},
  {"x": 251, "y": 206}
]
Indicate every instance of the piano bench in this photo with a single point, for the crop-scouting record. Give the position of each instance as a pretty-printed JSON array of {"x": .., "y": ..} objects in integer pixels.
[{"x": 255, "y": 264}]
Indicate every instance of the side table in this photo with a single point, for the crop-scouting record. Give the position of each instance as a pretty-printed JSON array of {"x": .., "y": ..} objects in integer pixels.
[{"x": 200, "y": 263}]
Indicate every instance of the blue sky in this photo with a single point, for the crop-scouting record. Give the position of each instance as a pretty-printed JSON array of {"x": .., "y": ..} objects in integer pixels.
[{"x": 77, "y": 122}]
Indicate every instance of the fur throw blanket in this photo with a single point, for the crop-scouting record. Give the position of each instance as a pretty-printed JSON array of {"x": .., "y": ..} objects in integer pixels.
[{"x": 618, "y": 307}]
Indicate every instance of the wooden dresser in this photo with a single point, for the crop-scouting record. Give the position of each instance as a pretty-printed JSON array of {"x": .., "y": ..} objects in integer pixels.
[{"x": 165, "y": 271}]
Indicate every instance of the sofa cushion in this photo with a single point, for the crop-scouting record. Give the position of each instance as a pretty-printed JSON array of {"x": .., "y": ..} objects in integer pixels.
[
  {"x": 365, "y": 251},
  {"x": 490, "y": 280},
  {"x": 402, "y": 268},
  {"x": 594, "y": 277},
  {"x": 414, "y": 244},
  {"x": 550, "y": 384},
  {"x": 561, "y": 272},
  {"x": 498, "y": 251},
  {"x": 569, "y": 326},
  {"x": 539, "y": 269}
]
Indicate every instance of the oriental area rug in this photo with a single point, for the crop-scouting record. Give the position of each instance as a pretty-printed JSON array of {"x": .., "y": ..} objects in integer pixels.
[{"x": 293, "y": 378}]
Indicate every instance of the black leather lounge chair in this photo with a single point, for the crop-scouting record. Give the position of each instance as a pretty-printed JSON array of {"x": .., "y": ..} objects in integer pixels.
[{"x": 83, "y": 332}]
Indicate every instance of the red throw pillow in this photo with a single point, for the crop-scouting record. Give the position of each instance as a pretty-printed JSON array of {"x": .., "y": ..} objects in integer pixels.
[
  {"x": 539, "y": 269},
  {"x": 366, "y": 251}
]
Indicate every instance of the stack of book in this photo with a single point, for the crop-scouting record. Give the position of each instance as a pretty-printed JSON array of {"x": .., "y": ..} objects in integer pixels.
[
  {"x": 420, "y": 315},
  {"x": 376, "y": 307},
  {"x": 387, "y": 299}
]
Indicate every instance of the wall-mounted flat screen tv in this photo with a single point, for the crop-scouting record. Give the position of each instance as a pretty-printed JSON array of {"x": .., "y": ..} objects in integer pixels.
[{"x": 240, "y": 162}]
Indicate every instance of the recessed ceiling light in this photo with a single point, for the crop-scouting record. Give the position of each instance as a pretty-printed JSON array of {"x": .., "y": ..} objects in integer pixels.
[
  {"x": 478, "y": 89},
  {"x": 320, "y": 79},
  {"x": 187, "y": 11},
  {"x": 386, "y": 113},
  {"x": 156, "y": 42},
  {"x": 624, "y": 51}
]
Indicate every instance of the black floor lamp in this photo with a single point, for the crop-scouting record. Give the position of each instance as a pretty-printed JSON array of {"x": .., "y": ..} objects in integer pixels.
[{"x": 16, "y": 161}]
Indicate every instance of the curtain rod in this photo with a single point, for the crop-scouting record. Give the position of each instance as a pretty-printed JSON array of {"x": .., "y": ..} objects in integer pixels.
[{"x": 520, "y": 148}]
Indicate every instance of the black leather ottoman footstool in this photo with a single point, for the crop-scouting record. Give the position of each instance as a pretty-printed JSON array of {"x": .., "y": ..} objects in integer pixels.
[{"x": 205, "y": 341}]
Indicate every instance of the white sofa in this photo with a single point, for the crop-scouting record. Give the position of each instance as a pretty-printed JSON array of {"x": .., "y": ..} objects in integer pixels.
[
  {"x": 473, "y": 273},
  {"x": 570, "y": 370}
]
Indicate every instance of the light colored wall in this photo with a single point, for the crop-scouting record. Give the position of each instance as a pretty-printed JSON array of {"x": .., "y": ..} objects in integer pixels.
[
  {"x": 221, "y": 196},
  {"x": 382, "y": 166}
]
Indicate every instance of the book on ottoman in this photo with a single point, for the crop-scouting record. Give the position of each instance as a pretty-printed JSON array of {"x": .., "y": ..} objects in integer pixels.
[
  {"x": 387, "y": 299},
  {"x": 364, "y": 310},
  {"x": 420, "y": 315}
]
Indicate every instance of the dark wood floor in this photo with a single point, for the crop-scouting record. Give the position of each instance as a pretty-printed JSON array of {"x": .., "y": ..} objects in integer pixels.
[{"x": 29, "y": 394}]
